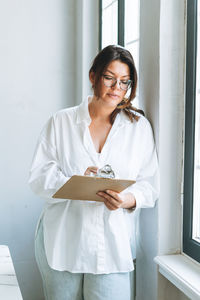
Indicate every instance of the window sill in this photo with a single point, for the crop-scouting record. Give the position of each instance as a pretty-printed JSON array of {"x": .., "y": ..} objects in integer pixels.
[
  {"x": 182, "y": 272},
  {"x": 9, "y": 288}
]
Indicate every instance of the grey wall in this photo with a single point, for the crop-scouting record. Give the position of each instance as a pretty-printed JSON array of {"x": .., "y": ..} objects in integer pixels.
[
  {"x": 171, "y": 135},
  {"x": 37, "y": 74},
  {"x": 161, "y": 92},
  {"x": 146, "y": 276},
  {"x": 86, "y": 38}
]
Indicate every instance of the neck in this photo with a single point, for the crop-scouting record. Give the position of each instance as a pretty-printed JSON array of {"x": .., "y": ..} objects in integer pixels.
[{"x": 98, "y": 110}]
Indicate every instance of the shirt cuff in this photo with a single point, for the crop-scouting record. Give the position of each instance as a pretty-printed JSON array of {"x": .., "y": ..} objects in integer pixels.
[
  {"x": 60, "y": 182},
  {"x": 140, "y": 200}
]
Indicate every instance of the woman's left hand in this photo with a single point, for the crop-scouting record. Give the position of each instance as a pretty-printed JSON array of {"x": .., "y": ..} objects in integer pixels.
[{"x": 114, "y": 200}]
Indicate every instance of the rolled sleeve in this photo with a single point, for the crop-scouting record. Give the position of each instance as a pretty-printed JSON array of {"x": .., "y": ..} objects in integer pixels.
[{"x": 146, "y": 188}]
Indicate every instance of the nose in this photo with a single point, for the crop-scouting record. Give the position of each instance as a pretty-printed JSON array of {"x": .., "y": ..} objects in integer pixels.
[{"x": 116, "y": 84}]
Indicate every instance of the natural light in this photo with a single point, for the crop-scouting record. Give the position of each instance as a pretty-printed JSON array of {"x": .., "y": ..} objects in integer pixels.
[
  {"x": 131, "y": 29},
  {"x": 109, "y": 22},
  {"x": 132, "y": 22}
]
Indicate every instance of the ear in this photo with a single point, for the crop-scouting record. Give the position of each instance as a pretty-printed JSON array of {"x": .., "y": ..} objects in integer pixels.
[{"x": 92, "y": 78}]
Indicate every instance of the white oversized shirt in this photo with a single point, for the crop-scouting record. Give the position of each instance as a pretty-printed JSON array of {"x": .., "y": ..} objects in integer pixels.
[{"x": 85, "y": 236}]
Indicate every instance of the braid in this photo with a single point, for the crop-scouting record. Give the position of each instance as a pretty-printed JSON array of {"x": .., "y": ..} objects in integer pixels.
[{"x": 126, "y": 106}]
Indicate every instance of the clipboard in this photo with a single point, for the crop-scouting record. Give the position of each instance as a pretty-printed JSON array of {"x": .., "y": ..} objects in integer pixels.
[{"x": 85, "y": 187}]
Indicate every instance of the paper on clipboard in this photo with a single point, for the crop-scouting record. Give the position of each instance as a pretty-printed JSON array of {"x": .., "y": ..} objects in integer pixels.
[{"x": 85, "y": 187}]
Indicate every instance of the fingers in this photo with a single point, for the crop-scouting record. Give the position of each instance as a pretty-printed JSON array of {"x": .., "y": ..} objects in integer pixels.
[
  {"x": 91, "y": 169},
  {"x": 111, "y": 199},
  {"x": 109, "y": 205}
]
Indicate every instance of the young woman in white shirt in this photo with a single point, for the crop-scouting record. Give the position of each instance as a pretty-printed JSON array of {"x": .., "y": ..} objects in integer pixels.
[{"x": 85, "y": 249}]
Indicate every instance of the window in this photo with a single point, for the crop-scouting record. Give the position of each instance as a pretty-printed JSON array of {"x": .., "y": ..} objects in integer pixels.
[
  {"x": 119, "y": 24},
  {"x": 132, "y": 21},
  {"x": 109, "y": 23},
  {"x": 191, "y": 209}
]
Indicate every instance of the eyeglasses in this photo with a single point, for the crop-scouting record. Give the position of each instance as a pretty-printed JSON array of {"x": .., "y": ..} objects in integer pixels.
[{"x": 110, "y": 81}]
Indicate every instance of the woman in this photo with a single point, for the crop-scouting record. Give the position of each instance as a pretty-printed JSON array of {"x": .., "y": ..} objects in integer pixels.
[{"x": 83, "y": 248}]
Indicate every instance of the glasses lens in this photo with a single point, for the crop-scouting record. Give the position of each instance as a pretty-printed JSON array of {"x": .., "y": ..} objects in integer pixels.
[
  {"x": 111, "y": 81},
  {"x": 108, "y": 81},
  {"x": 125, "y": 85}
]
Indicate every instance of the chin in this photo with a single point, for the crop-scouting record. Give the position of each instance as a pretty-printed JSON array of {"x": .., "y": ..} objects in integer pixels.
[{"x": 112, "y": 102}]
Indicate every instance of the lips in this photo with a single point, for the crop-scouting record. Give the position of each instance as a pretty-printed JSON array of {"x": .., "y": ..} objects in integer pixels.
[{"x": 113, "y": 95}]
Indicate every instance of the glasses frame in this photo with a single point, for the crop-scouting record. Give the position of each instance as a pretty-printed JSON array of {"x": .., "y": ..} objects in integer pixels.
[{"x": 130, "y": 82}]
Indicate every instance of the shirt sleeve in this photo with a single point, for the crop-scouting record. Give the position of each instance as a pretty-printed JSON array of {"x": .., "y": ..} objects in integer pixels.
[
  {"x": 46, "y": 175},
  {"x": 146, "y": 188}
]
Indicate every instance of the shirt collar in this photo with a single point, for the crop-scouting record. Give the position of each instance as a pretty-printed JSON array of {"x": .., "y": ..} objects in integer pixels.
[
  {"x": 124, "y": 119},
  {"x": 84, "y": 116},
  {"x": 83, "y": 112}
]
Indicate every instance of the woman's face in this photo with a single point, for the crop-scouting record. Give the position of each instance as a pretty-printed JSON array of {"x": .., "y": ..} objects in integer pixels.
[{"x": 113, "y": 95}]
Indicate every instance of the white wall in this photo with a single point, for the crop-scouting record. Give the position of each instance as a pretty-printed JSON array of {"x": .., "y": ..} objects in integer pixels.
[
  {"x": 46, "y": 49},
  {"x": 37, "y": 75},
  {"x": 45, "y": 52}
]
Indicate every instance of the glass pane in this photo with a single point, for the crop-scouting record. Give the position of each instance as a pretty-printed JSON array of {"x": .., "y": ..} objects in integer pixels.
[
  {"x": 132, "y": 20},
  {"x": 196, "y": 196},
  {"x": 134, "y": 49},
  {"x": 105, "y": 3},
  {"x": 110, "y": 24}
]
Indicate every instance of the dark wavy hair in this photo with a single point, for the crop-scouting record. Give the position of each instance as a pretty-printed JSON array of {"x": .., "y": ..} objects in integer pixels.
[{"x": 99, "y": 65}]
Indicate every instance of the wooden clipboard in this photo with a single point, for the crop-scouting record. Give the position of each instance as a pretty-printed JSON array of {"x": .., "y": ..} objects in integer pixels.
[{"x": 85, "y": 187}]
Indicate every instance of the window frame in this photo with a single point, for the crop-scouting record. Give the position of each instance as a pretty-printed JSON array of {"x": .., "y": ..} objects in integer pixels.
[{"x": 190, "y": 246}]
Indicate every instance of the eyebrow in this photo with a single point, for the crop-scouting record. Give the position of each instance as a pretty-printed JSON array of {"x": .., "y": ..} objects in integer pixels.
[{"x": 114, "y": 73}]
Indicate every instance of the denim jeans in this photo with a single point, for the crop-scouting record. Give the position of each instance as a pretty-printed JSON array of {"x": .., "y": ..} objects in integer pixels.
[{"x": 63, "y": 285}]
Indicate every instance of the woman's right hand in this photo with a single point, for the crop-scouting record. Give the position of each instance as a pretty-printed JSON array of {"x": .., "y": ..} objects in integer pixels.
[{"x": 91, "y": 169}]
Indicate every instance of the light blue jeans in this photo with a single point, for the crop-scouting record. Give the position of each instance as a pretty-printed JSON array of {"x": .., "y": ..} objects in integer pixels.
[{"x": 63, "y": 285}]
